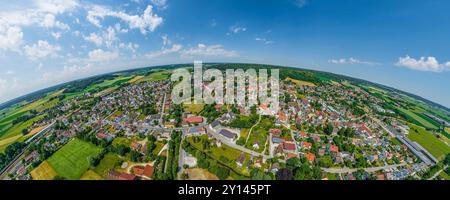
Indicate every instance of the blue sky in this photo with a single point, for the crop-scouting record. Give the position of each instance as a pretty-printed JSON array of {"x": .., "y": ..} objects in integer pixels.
[{"x": 403, "y": 44}]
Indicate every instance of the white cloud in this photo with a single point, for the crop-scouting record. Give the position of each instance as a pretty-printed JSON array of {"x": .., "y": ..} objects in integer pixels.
[
  {"x": 98, "y": 55},
  {"x": 146, "y": 22},
  {"x": 49, "y": 21},
  {"x": 160, "y": 4},
  {"x": 212, "y": 50},
  {"x": 165, "y": 51},
  {"x": 423, "y": 64},
  {"x": 351, "y": 61},
  {"x": 9, "y": 72},
  {"x": 56, "y": 6},
  {"x": 130, "y": 46},
  {"x": 94, "y": 38},
  {"x": 120, "y": 29},
  {"x": 56, "y": 35},
  {"x": 237, "y": 29},
  {"x": 41, "y": 12},
  {"x": 10, "y": 38},
  {"x": 41, "y": 49},
  {"x": 108, "y": 37},
  {"x": 264, "y": 40}
]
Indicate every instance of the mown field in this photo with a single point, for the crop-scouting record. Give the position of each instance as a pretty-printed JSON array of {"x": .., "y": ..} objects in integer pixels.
[
  {"x": 427, "y": 140},
  {"x": 193, "y": 108},
  {"x": 72, "y": 160},
  {"x": 43, "y": 172}
]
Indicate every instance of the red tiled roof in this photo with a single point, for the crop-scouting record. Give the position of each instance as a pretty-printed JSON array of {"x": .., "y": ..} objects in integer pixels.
[
  {"x": 302, "y": 134},
  {"x": 275, "y": 131},
  {"x": 334, "y": 148},
  {"x": 306, "y": 145},
  {"x": 113, "y": 175},
  {"x": 194, "y": 119},
  {"x": 292, "y": 155},
  {"x": 311, "y": 157},
  {"x": 148, "y": 171},
  {"x": 288, "y": 146},
  {"x": 102, "y": 135},
  {"x": 138, "y": 170}
]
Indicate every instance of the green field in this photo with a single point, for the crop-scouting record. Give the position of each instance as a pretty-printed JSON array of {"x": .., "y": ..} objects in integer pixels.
[
  {"x": 193, "y": 108},
  {"x": 121, "y": 140},
  {"x": 444, "y": 176},
  {"x": 8, "y": 131},
  {"x": 72, "y": 160},
  {"x": 435, "y": 146},
  {"x": 91, "y": 175},
  {"x": 417, "y": 118},
  {"x": 110, "y": 161},
  {"x": 159, "y": 146},
  {"x": 156, "y": 76},
  {"x": 216, "y": 152}
]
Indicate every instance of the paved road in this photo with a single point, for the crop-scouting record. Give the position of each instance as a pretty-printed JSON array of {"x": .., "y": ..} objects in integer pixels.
[{"x": 350, "y": 170}]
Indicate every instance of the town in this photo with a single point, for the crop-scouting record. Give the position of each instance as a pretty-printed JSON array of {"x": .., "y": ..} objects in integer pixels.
[{"x": 127, "y": 127}]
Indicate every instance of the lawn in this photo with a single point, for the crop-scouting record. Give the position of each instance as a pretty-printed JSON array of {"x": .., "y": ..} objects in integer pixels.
[
  {"x": 193, "y": 108},
  {"x": 331, "y": 176},
  {"x": 216, "y": 152},
  {"x": 436, "y": 147},
  {"x": 121, "y": 140},
  {"x": 159, "y": 146},
  {"x": 259, "y": 135},
  {"x": 91, "y": 175},
  {"x": 244, "y": 132},
  {"x": 43, "y": 172},
  {"x": 444, "y": 176},
  {"x": 224, "y": 151},
  {"x": 110, "y": 161},
  {"x": 72, "y": 160}
]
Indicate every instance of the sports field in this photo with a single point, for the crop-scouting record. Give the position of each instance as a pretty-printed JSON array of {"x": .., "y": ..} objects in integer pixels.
[
  {"x": 72, "y": 160},
  {"x": 436, "y": 147}
]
